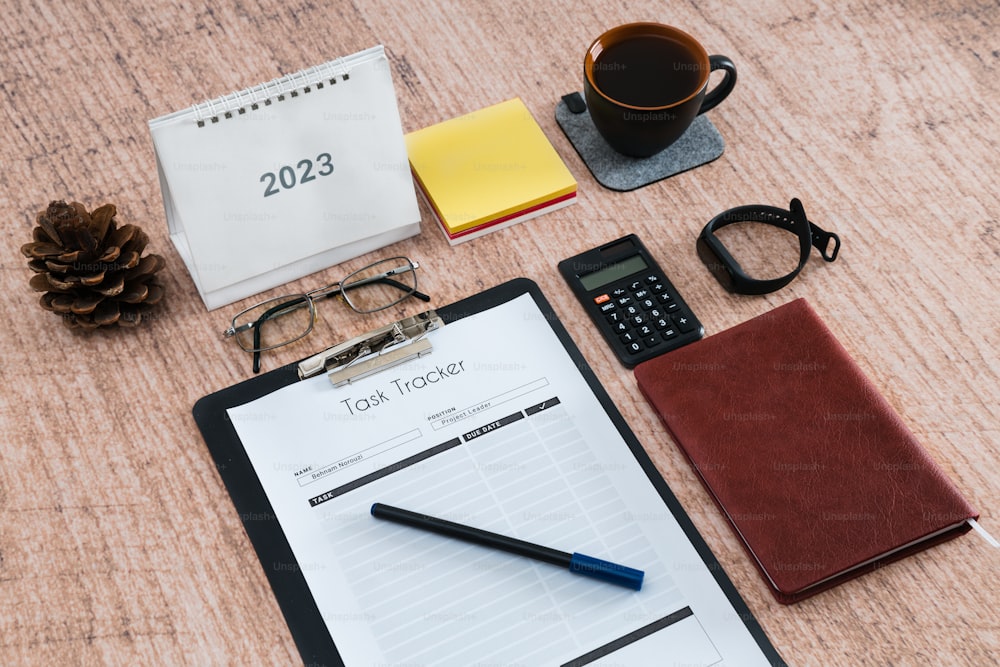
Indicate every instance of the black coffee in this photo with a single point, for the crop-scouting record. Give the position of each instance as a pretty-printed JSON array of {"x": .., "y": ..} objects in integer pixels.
[{"x": 646, "y": 71}]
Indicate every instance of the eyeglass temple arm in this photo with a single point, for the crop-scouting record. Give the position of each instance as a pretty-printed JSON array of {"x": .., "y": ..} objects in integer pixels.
[
  {"x": 405, "y": 288},
  {"x": 270, "y": 314},
  {"x": 256, "y": 349}
]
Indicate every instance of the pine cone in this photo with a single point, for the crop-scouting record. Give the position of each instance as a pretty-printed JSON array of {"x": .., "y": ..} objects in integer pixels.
[{"x": 90, "y": 269}]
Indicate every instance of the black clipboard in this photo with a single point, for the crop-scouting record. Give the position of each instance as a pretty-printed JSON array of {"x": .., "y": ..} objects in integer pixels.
[{"x": 294, "y": 597}]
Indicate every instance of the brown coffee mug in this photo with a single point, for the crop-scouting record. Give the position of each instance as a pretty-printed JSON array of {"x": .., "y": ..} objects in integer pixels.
[{"x": 645, "y": 83}]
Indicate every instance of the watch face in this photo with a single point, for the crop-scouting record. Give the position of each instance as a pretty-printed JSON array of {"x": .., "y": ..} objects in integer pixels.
[{"x": 715, "y": 265}]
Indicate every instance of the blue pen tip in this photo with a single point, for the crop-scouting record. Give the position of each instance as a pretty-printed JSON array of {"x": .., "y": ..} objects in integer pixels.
[{"x": 604, "y": 570}]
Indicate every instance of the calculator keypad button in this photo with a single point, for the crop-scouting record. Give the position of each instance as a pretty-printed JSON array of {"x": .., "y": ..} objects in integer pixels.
[
  {"x": 684, "y": 323},
  {"x": 643, "y": 314}
]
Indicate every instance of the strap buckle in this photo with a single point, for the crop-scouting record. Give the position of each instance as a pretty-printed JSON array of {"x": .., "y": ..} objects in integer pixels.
[{"x": 821, "y": 241}]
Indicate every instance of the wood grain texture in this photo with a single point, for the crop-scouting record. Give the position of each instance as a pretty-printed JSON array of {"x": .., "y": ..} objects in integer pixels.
[{"x": 118, "y": 542}]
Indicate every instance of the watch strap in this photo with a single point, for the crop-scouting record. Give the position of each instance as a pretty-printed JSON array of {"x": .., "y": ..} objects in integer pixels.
[{"x": 728, "y": 271}]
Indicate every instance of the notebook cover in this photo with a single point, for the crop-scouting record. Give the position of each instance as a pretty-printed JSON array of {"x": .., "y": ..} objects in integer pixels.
[
  {"x": 487, "y": 165},
  {"x": 813, "y": 468}
]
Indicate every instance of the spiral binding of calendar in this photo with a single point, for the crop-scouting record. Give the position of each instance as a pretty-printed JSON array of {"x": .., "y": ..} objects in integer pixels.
[{"x": 266, "y": 94}]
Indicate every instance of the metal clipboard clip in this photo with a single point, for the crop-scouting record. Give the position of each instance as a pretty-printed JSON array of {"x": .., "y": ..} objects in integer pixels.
[{"x": 374, "y": 351}]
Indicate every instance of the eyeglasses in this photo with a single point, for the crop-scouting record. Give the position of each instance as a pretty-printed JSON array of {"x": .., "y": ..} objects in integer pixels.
[{"x": 286, "y": 319}]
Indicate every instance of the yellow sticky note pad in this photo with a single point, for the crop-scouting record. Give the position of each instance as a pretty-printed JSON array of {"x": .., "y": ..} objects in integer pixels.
[{"x": 489, "y": 167}]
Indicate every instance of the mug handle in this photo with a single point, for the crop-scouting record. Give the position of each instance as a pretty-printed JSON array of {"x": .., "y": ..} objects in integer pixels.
[{"x": 719, "y": 93}]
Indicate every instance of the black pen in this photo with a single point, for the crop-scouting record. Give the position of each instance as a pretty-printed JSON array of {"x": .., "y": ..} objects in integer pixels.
[{"x": 576, "y": 563}]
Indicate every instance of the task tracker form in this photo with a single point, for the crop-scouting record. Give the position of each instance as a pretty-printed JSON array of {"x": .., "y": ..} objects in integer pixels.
[{"x": 497, "y": 429}]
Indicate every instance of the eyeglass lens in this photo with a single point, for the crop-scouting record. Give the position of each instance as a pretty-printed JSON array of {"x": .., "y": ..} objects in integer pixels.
[
  {"x": 380, "y": 285},
  {"x": 275, "y": 322}
]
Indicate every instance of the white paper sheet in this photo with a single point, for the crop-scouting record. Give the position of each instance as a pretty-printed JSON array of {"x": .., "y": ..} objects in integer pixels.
[{"x": 497, "y": 429}]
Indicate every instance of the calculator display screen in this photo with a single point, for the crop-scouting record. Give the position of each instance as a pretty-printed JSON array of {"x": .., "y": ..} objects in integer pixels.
[{"x": 613, "y": 272}]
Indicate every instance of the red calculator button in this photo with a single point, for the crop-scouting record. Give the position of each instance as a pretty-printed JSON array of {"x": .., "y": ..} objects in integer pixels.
[{"x": 601, "y": 299}]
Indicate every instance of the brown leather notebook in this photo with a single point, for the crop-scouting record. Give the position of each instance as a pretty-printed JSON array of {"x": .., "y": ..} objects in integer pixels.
[{"x": 814, "y": 469}]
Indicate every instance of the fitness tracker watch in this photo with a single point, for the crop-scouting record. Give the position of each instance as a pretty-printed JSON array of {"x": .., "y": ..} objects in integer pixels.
[{"x": 727, "y": 270}]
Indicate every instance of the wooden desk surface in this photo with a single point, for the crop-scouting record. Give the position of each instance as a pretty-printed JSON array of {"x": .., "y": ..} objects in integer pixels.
[{"x": 118, "y": 542}]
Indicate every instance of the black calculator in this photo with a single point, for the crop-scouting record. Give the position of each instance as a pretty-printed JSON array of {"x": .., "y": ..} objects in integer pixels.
[{"x": 638, "y": 310}]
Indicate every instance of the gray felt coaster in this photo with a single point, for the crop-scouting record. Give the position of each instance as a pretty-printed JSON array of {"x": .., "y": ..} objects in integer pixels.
[{"x": 701, "y": 144}]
